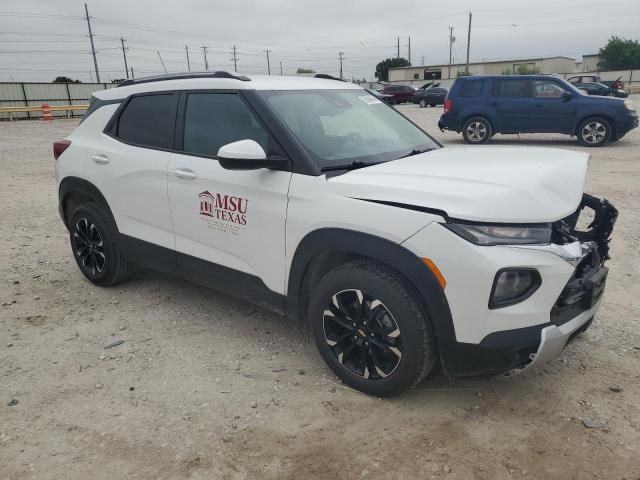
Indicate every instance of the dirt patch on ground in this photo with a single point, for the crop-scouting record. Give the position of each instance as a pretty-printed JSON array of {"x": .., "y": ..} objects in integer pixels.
[{"x": 205, "y": 386}]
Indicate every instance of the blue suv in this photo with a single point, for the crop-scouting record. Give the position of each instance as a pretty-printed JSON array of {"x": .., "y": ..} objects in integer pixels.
[{"x": 480, "y": 107}]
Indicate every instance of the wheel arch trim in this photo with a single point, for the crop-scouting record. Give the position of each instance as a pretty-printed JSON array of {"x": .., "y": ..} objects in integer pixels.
[
  {"x": 384, "y": 251},
  {"x": 76, "y": 185}
]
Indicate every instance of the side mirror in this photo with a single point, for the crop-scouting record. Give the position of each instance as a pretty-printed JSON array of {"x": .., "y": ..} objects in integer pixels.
[
  {"x": 246, "y": 155},
  {"x": 566, "y": 96}
]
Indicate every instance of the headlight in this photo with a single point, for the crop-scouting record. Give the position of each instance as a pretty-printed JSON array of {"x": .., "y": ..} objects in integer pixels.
[
  {"x": 629, "y": 105},
  {"x": 502, "y": 234},
  {"x": 513, "y": 285}
]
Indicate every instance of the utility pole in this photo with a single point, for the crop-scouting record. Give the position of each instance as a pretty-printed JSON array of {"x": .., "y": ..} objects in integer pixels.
[
  {"x": 409, "y": 50},
  {"x": 468, "y": 42},
  {"x": 268, "y": 64},
  {"x": 398, "y": 54},
  {"x": 451, "y": 40},
  {"x": 206, "y": 63},
  {"x": 341, "y": 57},
  {"x": 422, "y": 59},
  {"x": 132, "y": 73},
  {"x": 93, "y": 49},
  {"x": 124, "y": 54},
  {"x": 235, "y": 59},
  {"x": 280, "y": 67},
  {"x": 161, "y": 61},
  {"x": 186, "y": 49}
]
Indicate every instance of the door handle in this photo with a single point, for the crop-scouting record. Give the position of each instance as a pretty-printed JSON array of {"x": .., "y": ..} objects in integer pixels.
[
  {"x": 185, "y": 174},
  {"x": 100, "y": 158}
]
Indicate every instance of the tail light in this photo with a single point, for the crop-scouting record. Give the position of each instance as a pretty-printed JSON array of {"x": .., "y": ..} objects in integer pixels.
[
  {"x": 59, "y": 147},
  {"x": 447, "y": 105}
]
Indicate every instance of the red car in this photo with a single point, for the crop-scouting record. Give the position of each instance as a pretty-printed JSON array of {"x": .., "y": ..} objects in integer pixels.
[{"x": 401, "y": 93}]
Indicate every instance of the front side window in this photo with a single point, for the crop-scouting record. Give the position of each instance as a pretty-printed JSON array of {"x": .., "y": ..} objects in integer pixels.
[
  {"x": 147, "y": 120},
  {"x": 335, "y": 126},
  {"x": 511, "y": 88},
  {"x": 215, "y": 119},
  {"x": 547, "y": 89}
]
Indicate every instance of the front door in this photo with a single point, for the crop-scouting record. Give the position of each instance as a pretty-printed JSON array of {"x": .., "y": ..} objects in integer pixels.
[
  {"x": 552, "y": 112},
  {"x": 229, "y": 224}
]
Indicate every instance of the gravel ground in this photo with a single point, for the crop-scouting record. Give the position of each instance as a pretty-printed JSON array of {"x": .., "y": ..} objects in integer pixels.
[{"x": 205, "y": 386}]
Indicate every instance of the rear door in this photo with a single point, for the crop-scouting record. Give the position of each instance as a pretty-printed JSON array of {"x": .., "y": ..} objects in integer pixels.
[
  {"x": 128, "y": 164},
  {"x": 229, "y": 224},
  {"x": 552, "y": 111},
  {"x": 510, "y": 105}
]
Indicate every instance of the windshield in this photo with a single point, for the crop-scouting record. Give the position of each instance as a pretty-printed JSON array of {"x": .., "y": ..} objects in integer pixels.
[{"x": 339, "y": 127}]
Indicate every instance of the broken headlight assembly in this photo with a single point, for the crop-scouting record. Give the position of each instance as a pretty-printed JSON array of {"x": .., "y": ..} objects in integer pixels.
[{"x": 488, "y": 235}]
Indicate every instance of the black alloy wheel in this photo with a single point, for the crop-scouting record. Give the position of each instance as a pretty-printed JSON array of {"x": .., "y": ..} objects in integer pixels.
[
  {"x": 371, "y": 329},
  {"x": 362, "y": 334},
  {"x": 93, "y": 234},
  {"x": 89, "y": 246}
]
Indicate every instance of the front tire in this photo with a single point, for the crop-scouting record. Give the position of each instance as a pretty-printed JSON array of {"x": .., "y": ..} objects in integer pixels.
[
  {"x": 594, "y": 132},
  {"x": 477, "y": 130},
  {"x": 370, "y": 329},
  {"x": 92, "y": 234}
]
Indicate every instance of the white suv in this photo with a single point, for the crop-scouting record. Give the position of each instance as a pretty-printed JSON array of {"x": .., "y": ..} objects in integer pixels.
[{"x": 311, "y": 197}]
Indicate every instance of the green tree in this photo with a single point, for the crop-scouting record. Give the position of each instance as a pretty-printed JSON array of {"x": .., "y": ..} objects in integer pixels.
[
  {"x": 526, "y": 70},
  {"x": 305, "y": 70},
  {"x": 620, "y": 54},
  {"x": 382, "y": 68}
]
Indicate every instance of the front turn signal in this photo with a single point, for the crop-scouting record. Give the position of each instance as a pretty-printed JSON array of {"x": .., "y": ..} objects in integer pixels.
[{"x": 436, "y": 272}]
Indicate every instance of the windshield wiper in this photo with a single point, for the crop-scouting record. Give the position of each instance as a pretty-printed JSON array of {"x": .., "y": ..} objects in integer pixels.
[
  {"x": 416, "y": 151},
  {"x": 348, "y": 166}
]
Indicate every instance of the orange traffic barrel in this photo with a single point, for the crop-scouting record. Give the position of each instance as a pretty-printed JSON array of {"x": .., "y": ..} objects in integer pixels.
[{"x": 46, "y": 112}]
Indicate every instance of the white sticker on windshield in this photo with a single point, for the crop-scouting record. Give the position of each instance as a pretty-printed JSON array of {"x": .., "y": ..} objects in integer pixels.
[{"x": 369, "y": 99}]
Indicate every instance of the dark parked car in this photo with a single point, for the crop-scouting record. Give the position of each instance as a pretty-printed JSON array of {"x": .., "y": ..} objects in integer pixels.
[
  {"x": 430, "y": 96},
  {"x": 596, "y": 88},
  {"x": 479, "y": 107},
  {"x": 401, "y": 93},
  {"x": 388, "y": 99},
  {"x": 617, "y": 83}
]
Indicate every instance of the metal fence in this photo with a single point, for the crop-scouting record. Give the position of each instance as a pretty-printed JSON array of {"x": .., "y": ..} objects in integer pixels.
[{"x": 31, "y": 94}]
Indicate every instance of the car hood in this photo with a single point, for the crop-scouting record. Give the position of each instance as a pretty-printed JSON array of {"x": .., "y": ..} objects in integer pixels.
[{"x": 485, "y": 184}]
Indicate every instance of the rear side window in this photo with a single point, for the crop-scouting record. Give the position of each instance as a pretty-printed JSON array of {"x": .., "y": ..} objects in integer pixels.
[
  {"x": 147, "y": 120},
  {"x": 511, "y": 88},
  {"x": 471, "y": 88}
]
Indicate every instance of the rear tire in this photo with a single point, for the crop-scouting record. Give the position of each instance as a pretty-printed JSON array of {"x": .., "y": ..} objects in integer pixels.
[
  {"x": 370, "y": 329},
  {"x": 92, "y": 234},
  {"x": 422, "y": 103},
  {"x": 477, "y": 130},
  {"x": 594, "y": 132}
]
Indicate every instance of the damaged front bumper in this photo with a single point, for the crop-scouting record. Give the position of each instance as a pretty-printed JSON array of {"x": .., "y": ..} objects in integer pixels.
[{"x": 585, "y": 248}]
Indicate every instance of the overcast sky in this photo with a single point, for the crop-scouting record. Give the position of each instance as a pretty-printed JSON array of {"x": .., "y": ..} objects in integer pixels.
[{"x": 51, "y": 36}]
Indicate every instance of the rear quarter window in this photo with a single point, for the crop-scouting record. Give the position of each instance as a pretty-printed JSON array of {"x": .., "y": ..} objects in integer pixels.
[
  {"x": 471, "y": 88},
  {"x": 147, "y": 120}
]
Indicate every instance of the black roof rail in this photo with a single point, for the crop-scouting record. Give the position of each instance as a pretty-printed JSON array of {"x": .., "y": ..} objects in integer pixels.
[
  {"x": 179, "y": 76},
  {"x": 327, "y": 77}
]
